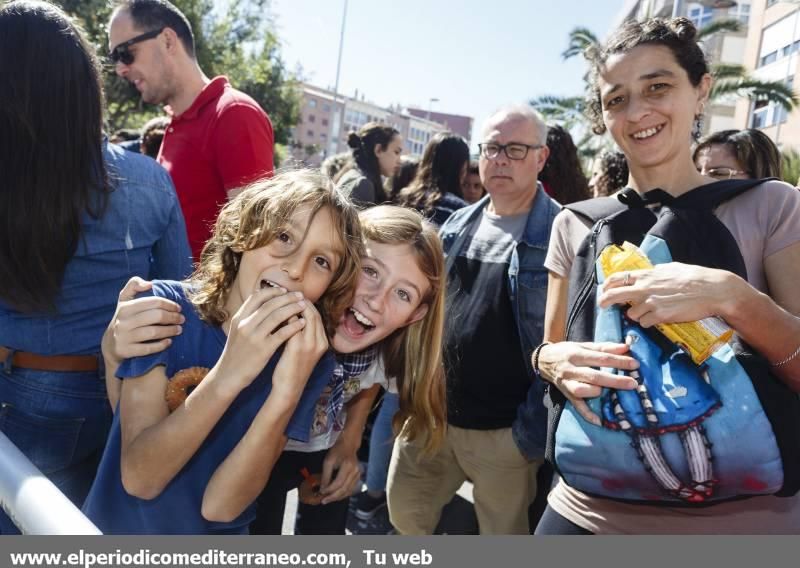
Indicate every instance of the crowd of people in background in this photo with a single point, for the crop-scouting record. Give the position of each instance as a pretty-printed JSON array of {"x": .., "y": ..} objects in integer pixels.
[{"x": 186, "y": 334}]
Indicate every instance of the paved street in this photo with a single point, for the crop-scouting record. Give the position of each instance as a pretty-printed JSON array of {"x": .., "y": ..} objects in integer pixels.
[{"x": 457, "y": 518}]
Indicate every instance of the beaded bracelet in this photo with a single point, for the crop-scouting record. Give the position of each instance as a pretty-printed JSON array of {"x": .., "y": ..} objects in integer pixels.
[
  {"x": 789, "y": 358},
  {"x": 535, "y": 358}
]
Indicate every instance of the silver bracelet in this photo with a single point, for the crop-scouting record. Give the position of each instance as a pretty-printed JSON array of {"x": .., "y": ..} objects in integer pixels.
[{"x": 789, "y": 358}]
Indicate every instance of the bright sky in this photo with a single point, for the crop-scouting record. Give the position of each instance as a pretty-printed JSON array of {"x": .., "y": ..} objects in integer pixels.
[{"x": 472, "y": 55}]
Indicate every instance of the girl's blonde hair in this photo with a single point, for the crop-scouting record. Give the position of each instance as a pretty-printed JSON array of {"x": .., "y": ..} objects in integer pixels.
[
  {"x": 413, "y": 354},
  {"x": 254, "y": 218}
]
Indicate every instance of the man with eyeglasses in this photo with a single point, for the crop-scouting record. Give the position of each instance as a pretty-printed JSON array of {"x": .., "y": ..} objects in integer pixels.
[
  {"x": 218, "y": 139},
  {"x": 497, "y": 287}
]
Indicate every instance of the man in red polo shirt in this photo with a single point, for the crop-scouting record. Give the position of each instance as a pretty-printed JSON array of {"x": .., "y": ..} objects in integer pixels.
[{"x": 218, "y": 140}]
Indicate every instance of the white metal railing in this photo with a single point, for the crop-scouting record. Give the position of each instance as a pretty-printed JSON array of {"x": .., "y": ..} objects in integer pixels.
[{"x": 32, "y": 501}]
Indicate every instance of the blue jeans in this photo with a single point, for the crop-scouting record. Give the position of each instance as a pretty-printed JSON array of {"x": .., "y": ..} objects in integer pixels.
[
  {"x": 60, "y": 421},
  {"x": 381, "y": 441}
]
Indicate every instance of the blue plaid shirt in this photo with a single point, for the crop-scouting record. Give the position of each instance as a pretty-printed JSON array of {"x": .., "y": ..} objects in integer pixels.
[{"x": 348, "y": 367}]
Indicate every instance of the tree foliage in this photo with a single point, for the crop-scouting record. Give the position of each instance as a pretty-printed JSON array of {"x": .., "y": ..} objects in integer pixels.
[
  {"x": 580, "y": 39},
  {"x": 239, "y": 42},
  {"x": 790, "y": 166},
  {"x": 721, "y": 25}
]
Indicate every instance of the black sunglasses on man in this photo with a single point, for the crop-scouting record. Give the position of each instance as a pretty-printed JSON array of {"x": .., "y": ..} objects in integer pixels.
[{"x": 121, "y": 53}]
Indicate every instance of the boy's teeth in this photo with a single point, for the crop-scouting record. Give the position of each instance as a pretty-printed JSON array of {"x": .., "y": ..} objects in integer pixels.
[{"x": 361, "y": 318}]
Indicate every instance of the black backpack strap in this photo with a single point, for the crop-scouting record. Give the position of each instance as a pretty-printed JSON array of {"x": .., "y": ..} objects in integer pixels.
[
  {"x": 706, "y": 196},
  {"x": 713, "y": 194},
  {"x": 592, "y": 210}
]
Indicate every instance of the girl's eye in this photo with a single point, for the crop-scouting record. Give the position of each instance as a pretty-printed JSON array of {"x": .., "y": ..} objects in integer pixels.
[
  {"x": 369, "y": 271},
  {"x": 614, "y": 102},
  {"x": 323, "y": 262},
  {"x": 284, "y": 237},
  {"x": 405, "y": 296}
]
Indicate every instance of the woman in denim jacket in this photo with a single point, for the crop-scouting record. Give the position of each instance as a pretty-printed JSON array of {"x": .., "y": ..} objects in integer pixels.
[{"x": 80, "y": 217}]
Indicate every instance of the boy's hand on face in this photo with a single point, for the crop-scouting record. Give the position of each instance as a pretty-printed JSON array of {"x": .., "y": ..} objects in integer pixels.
[
  {"x": 265, "y": 321},
  {"x": 302, "y": 353}
]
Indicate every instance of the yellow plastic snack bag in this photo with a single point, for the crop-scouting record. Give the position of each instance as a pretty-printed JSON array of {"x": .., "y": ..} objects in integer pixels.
[{"x": 698, "y": 338}]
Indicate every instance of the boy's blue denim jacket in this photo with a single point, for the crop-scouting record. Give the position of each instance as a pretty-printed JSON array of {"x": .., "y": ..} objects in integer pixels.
[{"x": 527, "y": 285}]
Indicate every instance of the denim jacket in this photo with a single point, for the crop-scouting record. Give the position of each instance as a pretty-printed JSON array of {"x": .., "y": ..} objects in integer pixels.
[
  {"x": 141, "y": 233},
  {"x": 527, "y": 285}
]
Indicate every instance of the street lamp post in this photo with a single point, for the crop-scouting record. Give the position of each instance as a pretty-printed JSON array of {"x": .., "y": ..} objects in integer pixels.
[
  {"x": 430, "y": 105},
  {"x": 338, "y": 116}
]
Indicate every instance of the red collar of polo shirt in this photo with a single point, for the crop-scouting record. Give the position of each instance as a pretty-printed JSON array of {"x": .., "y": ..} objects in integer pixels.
[{"x": 210, "y": 92}]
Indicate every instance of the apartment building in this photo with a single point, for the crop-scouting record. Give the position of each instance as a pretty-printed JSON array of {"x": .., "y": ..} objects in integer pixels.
[
  {"x": 455, "y": 123},
  {"x": 316, "y": 134},
  {"x": 326, "y": 120},
  {"x": 771, "y": 55}
]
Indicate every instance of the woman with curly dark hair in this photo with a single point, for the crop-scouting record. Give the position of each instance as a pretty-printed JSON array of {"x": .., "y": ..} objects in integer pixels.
[
  {"x": 562, "y": 175},
  {"x": 609, "y": 173},
  {"x": 650, "y": 83}
]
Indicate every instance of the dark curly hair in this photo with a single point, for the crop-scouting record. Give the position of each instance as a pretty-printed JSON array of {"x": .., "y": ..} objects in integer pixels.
[
  {"x": 614, "y": 173},
  {"x": 678, "y": 35},
  {"x": 562, "y": 171}
]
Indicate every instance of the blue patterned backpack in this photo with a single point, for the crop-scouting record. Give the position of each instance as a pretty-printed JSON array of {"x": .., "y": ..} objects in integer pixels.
[{"x": 690, "y": 434}]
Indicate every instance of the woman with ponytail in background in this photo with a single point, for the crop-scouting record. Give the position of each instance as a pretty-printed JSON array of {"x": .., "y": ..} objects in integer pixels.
[{"x": 376, "y": 152}]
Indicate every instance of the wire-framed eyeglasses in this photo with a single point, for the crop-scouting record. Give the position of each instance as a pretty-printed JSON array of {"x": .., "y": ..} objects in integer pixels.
[
  {"x": 513, "y": 150},
  {"x": 723, "y": 173}
]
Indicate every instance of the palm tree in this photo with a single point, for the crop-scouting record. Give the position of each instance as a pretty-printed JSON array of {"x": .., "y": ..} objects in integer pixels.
[
  {"x": 733, "y": 81},
  {"x": 567, "y": 110},
  {"x": 722, "y": 25},
  {"x": 790, "y": 166},
  {"x": 729, "y": 81},
  {"x": 579, "y": 40}
]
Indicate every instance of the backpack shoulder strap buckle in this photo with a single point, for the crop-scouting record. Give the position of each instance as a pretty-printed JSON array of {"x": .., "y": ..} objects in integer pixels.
[{"x": 635, "y": 200}]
